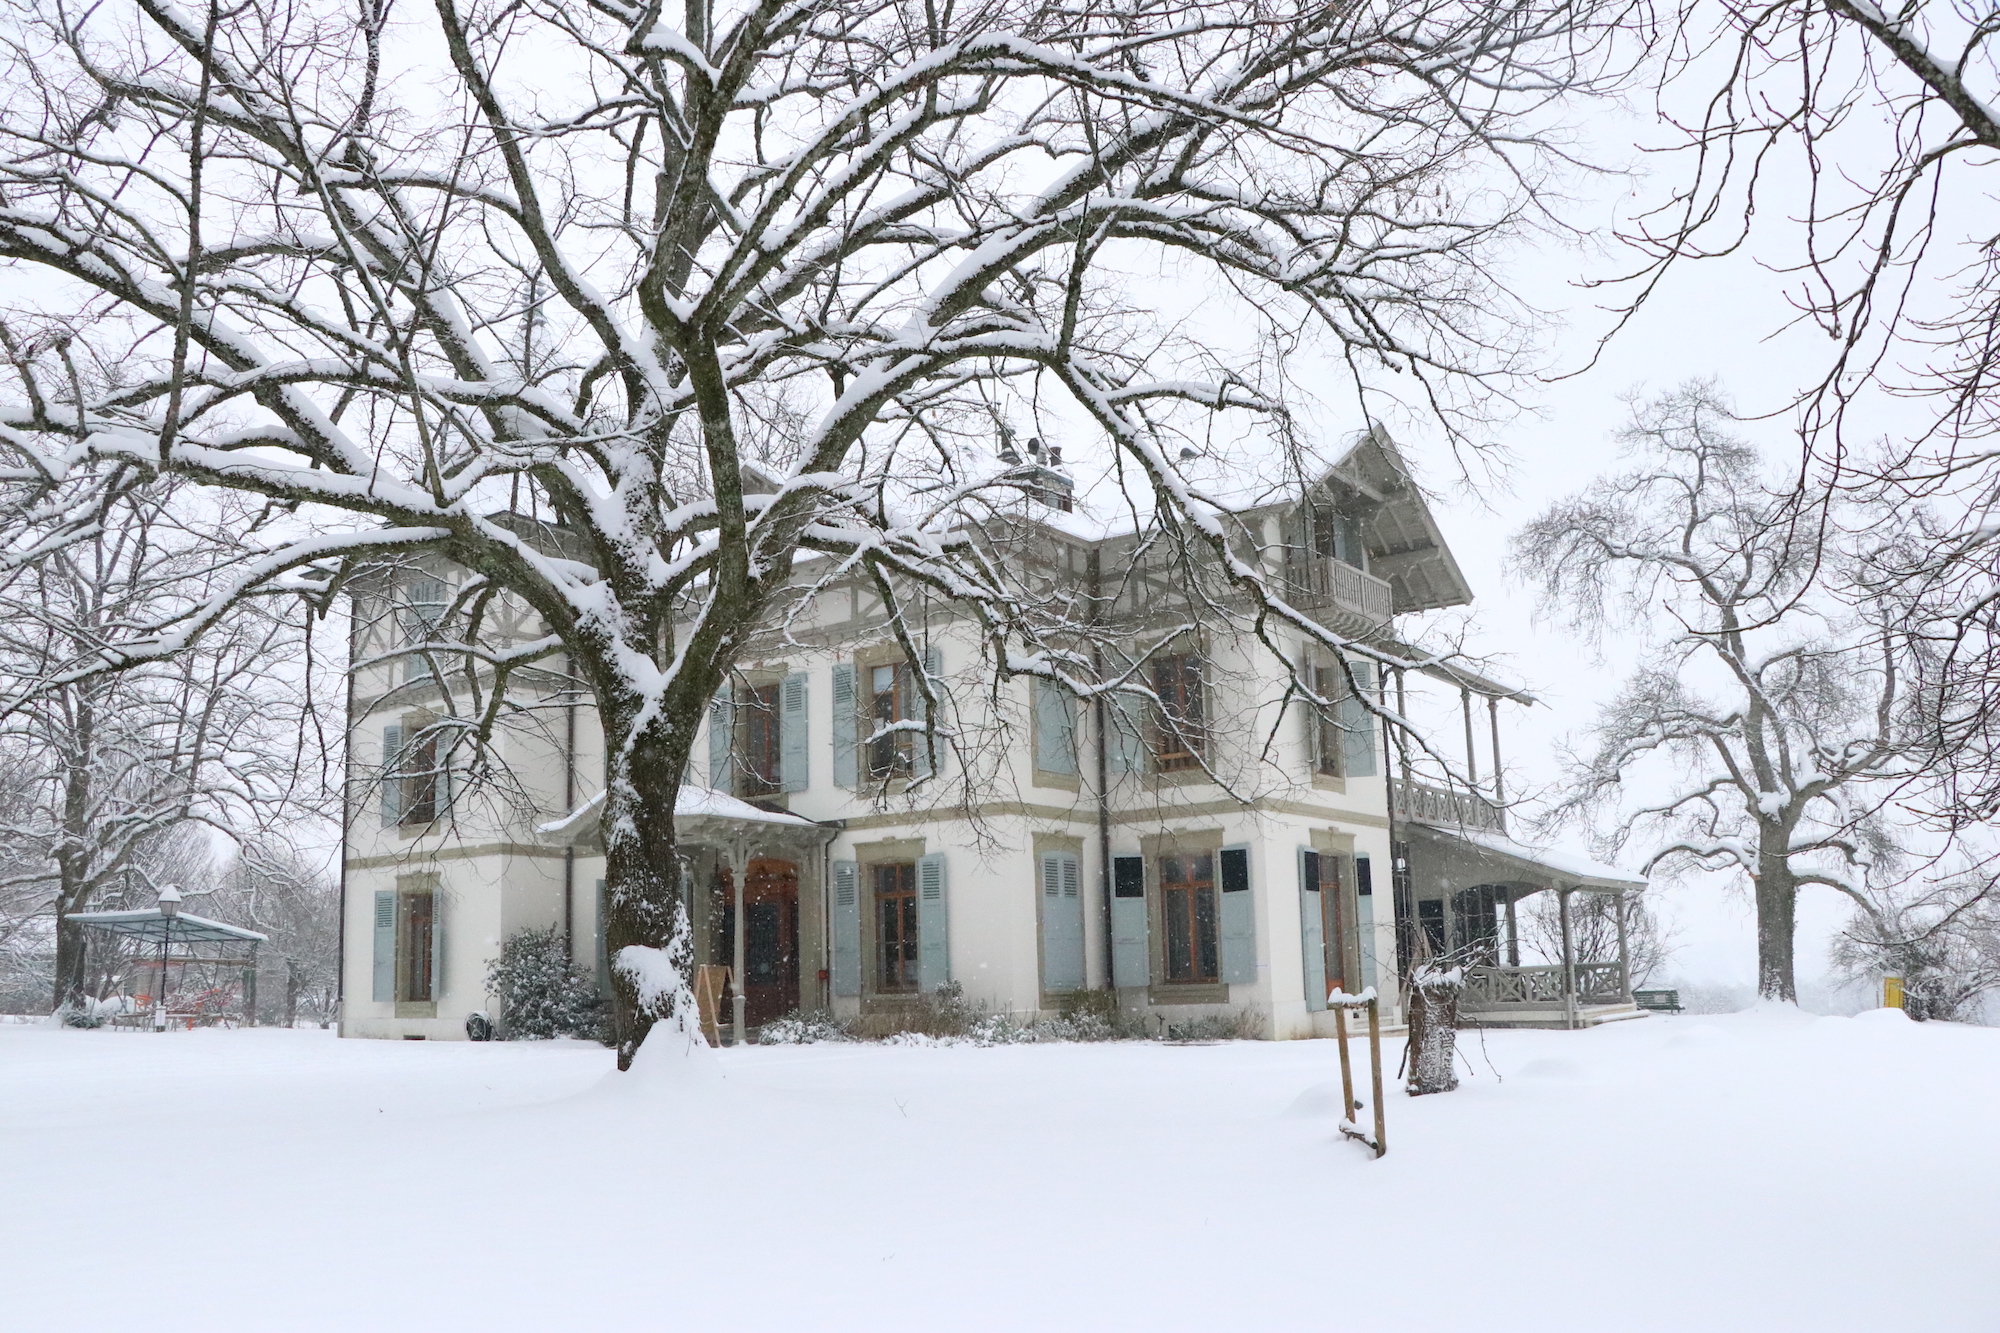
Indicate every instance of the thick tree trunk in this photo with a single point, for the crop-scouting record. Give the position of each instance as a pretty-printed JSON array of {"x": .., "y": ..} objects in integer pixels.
[
  {"x": 1433, "y": 1030},
  {"x": 642, "y": 889},
  {"x": 69, "y": 977},
  {"x": 1777, "y": 911}
]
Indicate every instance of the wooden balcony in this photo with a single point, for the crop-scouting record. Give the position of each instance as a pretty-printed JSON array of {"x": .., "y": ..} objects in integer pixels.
[
  {"x": 1325, "y": 584},
  {"x": 1424, "y": 804}
]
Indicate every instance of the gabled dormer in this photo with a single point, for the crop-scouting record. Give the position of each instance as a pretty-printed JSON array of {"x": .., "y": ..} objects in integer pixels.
[{"x": 1362, "y": 544}]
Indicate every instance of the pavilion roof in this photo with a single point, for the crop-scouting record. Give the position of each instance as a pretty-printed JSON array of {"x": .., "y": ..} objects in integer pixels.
[{"x": 156, "y": 927}]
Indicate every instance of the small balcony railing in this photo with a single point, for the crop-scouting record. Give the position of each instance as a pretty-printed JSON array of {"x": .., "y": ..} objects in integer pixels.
[
  {"x": 1424, "y": 804},
  {"x": 1326, "y": 582}
]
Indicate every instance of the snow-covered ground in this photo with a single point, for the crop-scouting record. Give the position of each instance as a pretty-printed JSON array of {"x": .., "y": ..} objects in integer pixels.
[{"x": 1765, "y": 1171}]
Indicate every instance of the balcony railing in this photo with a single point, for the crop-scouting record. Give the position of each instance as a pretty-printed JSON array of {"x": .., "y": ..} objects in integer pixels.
[
  {"x": 1499, "y": 989},
  {"x": 1326, "y": 582},
  {"x": 1425, "y": 804}
]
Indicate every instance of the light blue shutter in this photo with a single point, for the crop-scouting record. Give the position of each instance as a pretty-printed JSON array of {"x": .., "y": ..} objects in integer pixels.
[
  {"x": 933, "y": 944},
  {"x": 1239, "y": 942},
  {"x": 846, "y": 928},
  {"x": 1312, "y": 929},
  {"x": 1062, "y": 922},
  {"x": 1055, "y": 729},
  {"x": 1364, "y": 917},
  {"x": 385, "y": 946},
  {"x": 1359, "y": 725},
  {"x": 422, "y": 616},
  {"x": 1131, "y": 965},
  {"x": 720, "y": 718},
  {"x": 1128, "y": 754},
  {"x": 391, "y": 784},
  {"x": 920, "y": 745},
  {"x": 794, "y": 755},
  {"x": 845, "y": 715}
]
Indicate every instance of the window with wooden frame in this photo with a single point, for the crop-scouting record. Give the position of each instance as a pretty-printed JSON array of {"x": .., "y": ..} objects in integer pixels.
[
  {"x": 887, "y": 703},
  {"x": 423, "y": 780},
  {"x": 759, "y": 741},
  {"x": 896, "y": 935},
  {"x": 416, "y": 950},
  {"x": 1179, "y": 739},
  {"x": 1188, "y": 916},
  {"x": 415, "y": 787}
]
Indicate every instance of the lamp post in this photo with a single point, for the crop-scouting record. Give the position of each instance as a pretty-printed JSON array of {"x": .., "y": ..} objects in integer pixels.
[{"x": 170, "y": 907}]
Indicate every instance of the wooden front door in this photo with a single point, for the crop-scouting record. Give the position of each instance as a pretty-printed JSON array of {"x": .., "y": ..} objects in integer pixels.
[{"x": 770, "y": 939}]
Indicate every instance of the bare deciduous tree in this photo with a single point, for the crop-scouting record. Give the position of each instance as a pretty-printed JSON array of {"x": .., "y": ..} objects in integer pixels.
[
  {"x": 1771, "y": 718},
  {"x": 616, "y": 255},
  {"x": 1853, "y": 145},
  {"x": 291, "y": 898},
  {"x": 107, "y": 769},
  {"x": 1878, "y": 128}
]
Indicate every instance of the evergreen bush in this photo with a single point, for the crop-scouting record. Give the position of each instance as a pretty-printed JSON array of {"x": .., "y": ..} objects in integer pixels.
[{"x": 543, "y": 993}]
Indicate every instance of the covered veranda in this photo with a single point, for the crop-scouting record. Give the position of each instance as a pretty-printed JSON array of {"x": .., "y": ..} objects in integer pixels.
[
  {"x": 1467, "y": 883},
  {"x": 756, "y": 882}
]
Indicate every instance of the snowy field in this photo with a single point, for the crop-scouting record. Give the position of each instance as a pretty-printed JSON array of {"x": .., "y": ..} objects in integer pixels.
[{"x": 1764, "y": 1171}]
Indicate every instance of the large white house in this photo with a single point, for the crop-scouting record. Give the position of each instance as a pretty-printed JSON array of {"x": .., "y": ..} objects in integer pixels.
[{"x": 1227, "y": 850}]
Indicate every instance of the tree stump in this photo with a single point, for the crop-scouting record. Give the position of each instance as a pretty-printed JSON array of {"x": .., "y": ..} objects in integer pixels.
[{"x": 1433, "y": 1040}]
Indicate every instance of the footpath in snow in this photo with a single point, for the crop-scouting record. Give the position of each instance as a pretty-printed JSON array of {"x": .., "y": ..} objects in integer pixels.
[{"x": 1765, "y": 1171}]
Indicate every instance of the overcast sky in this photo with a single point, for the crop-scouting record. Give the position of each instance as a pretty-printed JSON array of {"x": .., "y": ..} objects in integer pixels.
[{"x": 1714, "y": 319}]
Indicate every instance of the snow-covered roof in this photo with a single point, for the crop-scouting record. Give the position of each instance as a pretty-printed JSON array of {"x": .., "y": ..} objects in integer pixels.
[
  {"x": 691, "y": 802},
  {"x": 1405, "y": 545},
  {"x": 155, "y": 927},
  {"x": 1570, "y": 869}
]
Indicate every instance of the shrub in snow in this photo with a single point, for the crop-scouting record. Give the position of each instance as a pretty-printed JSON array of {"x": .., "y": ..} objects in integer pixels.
[
  {"x": 1089, "y": 1015},
  {"x": 945, "y": 1017},
  {"x": 1947, "y": 951},
  {"x": 947, "y": 1013},
  {"x": 542, "y": 992},
  {"x": 1089, "y": 1024},
  {"x": 804, "y": 1027},
  {"x": 1234, "y": 1025}
]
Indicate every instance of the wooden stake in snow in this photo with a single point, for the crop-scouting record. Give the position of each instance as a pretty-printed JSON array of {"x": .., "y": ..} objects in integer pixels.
[{"x": 1340, "y": 1003}]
